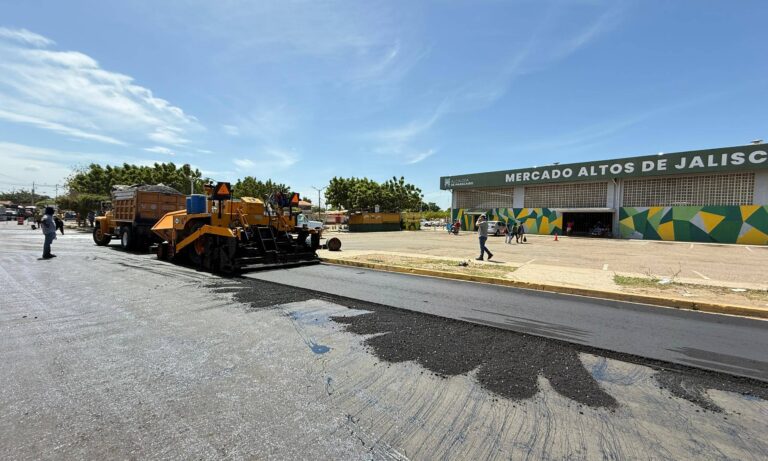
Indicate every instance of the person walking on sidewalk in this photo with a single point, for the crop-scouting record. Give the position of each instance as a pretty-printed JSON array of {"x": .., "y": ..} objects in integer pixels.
[
  {"x": 48, "y": 226},
  {"x": 520, "y": 236},
  {"x": 482, "y": 234}
]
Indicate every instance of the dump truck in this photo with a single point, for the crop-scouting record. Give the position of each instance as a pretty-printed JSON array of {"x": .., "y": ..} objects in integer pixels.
[
  {"x": 219, "y": 234},
  {"x": 134, "y": 210}
]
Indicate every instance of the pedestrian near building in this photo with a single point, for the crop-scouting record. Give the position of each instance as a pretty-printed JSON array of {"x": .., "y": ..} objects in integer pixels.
[
  {"x": 482, "y": 234},
  {"x": 48, "y": 226},
  {"x": 511, "y": 233},
  {"x": 520, "y": 236}
]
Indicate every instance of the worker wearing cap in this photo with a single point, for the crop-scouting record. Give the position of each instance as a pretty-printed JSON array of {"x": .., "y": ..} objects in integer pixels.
[
  {"x": 482, "y": 234},
  {"x": 48, "y": 226}
]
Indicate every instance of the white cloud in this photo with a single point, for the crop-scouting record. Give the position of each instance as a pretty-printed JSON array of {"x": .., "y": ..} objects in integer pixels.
[
  {"x": 399, "y": 142},
  {"x": 57, "y": 127},
  {"x": 160, "y": 150},
  {"x": 49, "y": 166},
  {"x": 421, "y": 156},
  {"x": 25, "y": 36},
  {"x": 67, "y": 92},
  {"x": 244, "y": 163}
]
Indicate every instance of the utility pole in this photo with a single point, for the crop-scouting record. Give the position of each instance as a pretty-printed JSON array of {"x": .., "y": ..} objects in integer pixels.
[
  {"x": 191, "y": 185},
  {"x": 319, "y": 201},
  {"x": 33, "y": 193},
  {"x": 56, "y": 194}
]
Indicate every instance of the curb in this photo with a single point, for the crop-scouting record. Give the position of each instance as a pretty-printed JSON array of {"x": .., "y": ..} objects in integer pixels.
[{"x": 730, "y": 309}]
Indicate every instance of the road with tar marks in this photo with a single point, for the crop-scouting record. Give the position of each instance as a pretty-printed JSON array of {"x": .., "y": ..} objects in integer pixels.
[{"x": 732, "y": 345}]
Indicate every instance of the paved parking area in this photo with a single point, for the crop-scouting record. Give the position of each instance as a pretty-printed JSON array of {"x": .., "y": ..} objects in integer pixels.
[{"x": 689, "y": 262}]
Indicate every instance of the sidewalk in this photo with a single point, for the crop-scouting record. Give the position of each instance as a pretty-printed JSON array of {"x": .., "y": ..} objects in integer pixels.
[{"x": 676, "y": 280}]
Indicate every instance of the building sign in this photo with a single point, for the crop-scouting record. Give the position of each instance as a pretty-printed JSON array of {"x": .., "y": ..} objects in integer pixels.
[{"x": 705, "y": 161}]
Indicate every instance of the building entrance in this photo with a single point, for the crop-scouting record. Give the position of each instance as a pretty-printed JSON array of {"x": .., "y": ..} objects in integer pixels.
[{"x": 588, "y": 224}]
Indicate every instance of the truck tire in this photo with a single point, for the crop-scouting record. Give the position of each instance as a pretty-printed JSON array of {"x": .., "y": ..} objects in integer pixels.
[
  {"x": 100, "y": 237},
  {"x": 126, "y": 238}
]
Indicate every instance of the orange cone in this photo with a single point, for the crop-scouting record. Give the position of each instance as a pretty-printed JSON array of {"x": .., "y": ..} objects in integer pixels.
[{"x": 555, "y": 236}]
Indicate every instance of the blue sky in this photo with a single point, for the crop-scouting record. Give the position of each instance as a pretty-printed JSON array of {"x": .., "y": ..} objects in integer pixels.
[{"x": 301, "y": 91}]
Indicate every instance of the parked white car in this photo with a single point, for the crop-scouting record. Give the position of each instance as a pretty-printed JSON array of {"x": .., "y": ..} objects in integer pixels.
[
  {"x": 302, "y": 220},
  {"x": 497, "y": 228}
]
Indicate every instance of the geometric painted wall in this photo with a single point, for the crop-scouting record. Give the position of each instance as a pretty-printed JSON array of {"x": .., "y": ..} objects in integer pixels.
[
  {"x": 535, "y": 220},
  {"x": 746, "y": 224}
]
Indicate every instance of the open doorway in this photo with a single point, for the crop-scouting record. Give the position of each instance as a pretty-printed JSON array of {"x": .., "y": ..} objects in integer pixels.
[{"x": 588, "y": 224}]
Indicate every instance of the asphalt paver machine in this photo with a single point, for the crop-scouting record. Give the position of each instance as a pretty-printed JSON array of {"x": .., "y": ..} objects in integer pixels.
[{"x": 221, "y": 234}]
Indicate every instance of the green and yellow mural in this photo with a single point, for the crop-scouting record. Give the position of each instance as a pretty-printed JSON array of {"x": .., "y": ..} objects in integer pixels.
[
  {"x": 535, "y": 220},
  {"x": 746, "y": 224}
]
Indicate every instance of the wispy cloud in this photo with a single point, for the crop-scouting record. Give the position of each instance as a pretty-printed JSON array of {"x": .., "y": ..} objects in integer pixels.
[
  {"x": 421, "y": 156},
  {"x": 50, "y": 166},
  {"x": 69, "y": 93},
  {"x": 25, "y": 36},
  {"x": 160, "y": 150},
  {"x": 398, "y": 142}
]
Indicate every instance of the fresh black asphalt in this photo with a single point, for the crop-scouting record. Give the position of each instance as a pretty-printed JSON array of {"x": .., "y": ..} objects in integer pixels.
[{"x": 727, "y": 344}]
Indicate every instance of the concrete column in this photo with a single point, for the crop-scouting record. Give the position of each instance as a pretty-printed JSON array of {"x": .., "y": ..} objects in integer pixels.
[
  {"x": 615, "y": 201},
  {"x": 610, "y": 200},
  {"x": 518, "y": 197},
  {"x": 761, "y": 188}
]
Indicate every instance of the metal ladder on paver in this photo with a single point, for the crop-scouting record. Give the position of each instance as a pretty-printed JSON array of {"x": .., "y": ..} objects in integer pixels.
[{"x": 266, "y": 239}]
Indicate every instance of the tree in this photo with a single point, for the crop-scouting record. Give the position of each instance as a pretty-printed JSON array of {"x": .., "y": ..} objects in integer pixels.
[
  {"x": 431, "y": 206},
  {"x": 252, "y": 187},
  {"x": 364, "y": 194},
  {"x": 95, "y": 179},
  {"x": 22, "y": 197},
  {"x": 82, "y": 203}
]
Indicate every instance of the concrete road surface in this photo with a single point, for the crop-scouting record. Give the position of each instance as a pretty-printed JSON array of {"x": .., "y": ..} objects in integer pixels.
[{"x": 111, "y": 355}]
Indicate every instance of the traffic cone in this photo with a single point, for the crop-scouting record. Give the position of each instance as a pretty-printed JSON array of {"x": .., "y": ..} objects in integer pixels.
[{"x": 555, "y": 236}]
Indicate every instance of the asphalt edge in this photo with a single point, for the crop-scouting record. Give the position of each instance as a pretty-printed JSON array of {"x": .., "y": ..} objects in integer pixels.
[{"x": 715, "y": 308}]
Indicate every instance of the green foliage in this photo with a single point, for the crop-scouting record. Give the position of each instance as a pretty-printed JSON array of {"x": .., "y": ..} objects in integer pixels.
[
  {"x": 252, "y": 187},
  {"x": 431, "y": 206},
  {"x": 99, "y": 180},
  {"x": 82, "y": 203},
  {"x": 435, "y": 215},
  {"x": 22, "y": 197},
  {"x": 364, "y": 194}
]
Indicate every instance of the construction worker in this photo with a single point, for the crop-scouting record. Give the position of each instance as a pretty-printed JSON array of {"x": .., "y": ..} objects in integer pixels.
[{"x": 48, "y": 226}]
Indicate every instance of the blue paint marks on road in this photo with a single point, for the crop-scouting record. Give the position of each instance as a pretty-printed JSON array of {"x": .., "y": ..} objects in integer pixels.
[{"x": 318, "y": 348}]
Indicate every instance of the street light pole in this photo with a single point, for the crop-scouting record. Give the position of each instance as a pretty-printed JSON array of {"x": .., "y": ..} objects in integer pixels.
[{"x": 319, "y": 201}]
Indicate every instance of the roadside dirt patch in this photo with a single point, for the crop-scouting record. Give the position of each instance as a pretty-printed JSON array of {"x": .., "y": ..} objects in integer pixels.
[
  {"x": 691, "y": 292},
  {"x": 467, "y": 266}
]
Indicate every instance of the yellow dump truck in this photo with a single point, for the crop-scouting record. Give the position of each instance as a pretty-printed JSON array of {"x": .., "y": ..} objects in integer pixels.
[{"x": 135, "y": 209}]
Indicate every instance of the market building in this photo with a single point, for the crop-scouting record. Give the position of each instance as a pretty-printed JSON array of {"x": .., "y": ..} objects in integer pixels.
[{"x": 713, "y": 195}]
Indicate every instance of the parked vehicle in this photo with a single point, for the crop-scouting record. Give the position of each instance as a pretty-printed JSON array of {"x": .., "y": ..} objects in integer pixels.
[
  {"x": 497, "y": 228},
  {"x": 302, "y": 219}
]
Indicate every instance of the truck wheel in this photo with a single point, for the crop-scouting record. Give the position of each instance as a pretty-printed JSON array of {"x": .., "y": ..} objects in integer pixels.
[
  {"x": 126, "y": 238},
  {"x": 100, "y": 237}
]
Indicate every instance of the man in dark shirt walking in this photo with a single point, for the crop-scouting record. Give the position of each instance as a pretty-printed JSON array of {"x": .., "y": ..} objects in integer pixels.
[{"x": 48, "y": 226}]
